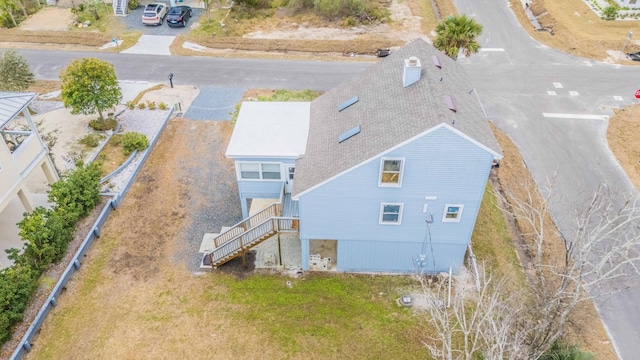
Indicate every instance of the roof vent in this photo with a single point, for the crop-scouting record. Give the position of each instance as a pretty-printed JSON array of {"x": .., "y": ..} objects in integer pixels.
[
  {"x": 436, "y": 62},
  {"x": 412, "y": 70},
  {"x": 349, "y": 133},
  {"x": 449, "y": 100},
  {"x": 348, "y": 103}
]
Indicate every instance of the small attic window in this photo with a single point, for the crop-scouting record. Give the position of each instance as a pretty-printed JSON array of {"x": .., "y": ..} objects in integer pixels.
[
  {"x": 436, "y": 61},
  {"x": 450, "y": 104},
  {"x": 348, "y": 103},
  {"x": 349, "y": 133}
]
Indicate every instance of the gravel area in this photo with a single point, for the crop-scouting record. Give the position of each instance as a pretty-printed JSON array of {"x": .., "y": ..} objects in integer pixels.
[
  {"x": 214, "y": 103},
  {"x": 147, "y": 122},
  {"x": 42, "y": 107},
  {"x": 133, "y": 21}
]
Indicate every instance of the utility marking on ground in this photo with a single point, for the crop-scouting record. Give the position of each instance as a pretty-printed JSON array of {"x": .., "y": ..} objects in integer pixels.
[
  {"x": 619, "y": 98},
  {"x": 552, "y": 93},
  {"x": 575, "y": 116},
  {"x": 573, "y": 93},
  {"x": 557, "y": 85},
  {"x": 491, "y": 49}
]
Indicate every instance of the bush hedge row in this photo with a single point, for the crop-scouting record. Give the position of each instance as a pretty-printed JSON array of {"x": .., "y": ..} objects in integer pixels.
[{"x": 46, "y": 234}]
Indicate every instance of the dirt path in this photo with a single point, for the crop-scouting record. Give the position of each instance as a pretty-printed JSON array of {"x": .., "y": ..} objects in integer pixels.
[{"x": 50, "y": 18}]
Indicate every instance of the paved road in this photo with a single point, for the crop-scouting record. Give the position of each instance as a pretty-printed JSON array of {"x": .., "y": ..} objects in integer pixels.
[
  {"x": 200, "y": 71},
  {"x": 527, "y": 80},
  {"x": 553, "y": 105}
]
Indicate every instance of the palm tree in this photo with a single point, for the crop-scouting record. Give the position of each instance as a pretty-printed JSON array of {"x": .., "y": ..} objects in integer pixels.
[{"x": 456, "y": 33}]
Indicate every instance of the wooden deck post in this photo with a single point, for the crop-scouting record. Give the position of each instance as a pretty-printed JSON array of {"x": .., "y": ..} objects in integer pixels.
[
  {"x": 279, "y": 250},
  {"x": 244, "y": 258}
]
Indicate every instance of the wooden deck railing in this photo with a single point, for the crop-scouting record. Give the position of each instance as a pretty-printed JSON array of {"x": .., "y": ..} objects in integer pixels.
[
  {"x": 272, "y": 210},
  {"x": 251, "y": 231},
  {"x": 250, "y": 238}
]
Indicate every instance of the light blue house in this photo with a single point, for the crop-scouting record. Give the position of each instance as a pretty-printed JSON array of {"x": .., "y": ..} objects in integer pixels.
[{"x": 390, "y": 177}]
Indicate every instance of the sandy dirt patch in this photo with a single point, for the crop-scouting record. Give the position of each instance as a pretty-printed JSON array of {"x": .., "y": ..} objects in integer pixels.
[
  {"x": 50, "y": 18},
  {"x": 180, "y": 94},
  {"x": 404, "y": 26},
  {"x": 71, "y": 128}
]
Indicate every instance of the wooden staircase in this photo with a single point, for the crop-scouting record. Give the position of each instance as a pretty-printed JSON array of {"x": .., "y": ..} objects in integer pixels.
[{"x": 240, "y": 238}]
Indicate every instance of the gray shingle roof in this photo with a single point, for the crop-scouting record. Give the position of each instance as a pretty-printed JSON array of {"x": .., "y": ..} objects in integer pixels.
[
  {"x": 12, "y": 103},
  {"x": 388, "y": 113}
]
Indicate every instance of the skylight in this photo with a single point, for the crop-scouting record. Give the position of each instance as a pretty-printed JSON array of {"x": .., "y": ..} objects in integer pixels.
[
  {"x": 436, "y": 61},
  {"x": 348, "y": 103},
  {"x": 449, "y": 100},
  {"x": 349, "y": 133}
]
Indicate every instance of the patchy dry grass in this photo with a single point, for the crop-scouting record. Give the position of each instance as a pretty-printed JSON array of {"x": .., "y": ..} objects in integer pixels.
[
  {"x": 112, "y": 155},
  {"x": 133, "y": 300},
  {"x": 624, "y": 141},
  {"x": 577, "y": 29}
]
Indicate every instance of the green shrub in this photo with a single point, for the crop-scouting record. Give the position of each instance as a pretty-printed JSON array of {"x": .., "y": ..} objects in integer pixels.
[
  {"x": 116, "y": 139},
  {"x": 291, "y": 95},
  {"x": 130, "y": 105},
  {"x": 142, "y": 106},
  {"x": 77, "y": 193},
  {"x": 102, "y": 125},
  {"x": 133, "y": 4},
  {"x": 162, "y": 106},
  {"x": 134, "y": 141},
  {"x": 151, "y": 105},
  {"x": 361, "y": 11},
  {"x": 17, "y": 284},
  {"x": 46, "y": 236},
  {"x": 91, "y": 140},
  {"x": 560, "y": 351},
  {"x": 610, "y": 12}
]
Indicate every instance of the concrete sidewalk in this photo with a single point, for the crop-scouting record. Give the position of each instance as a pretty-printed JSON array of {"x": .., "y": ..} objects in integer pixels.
[{"x": 151, "y": 45}]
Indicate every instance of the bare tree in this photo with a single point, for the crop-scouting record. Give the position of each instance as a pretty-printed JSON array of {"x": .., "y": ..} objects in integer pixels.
[
  {"x": 485, "y": 321},
  {"x": 601, "y": 248}
]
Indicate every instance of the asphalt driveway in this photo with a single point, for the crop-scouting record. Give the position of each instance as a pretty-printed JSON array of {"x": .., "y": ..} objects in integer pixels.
[{"x": 133, "y": 21}]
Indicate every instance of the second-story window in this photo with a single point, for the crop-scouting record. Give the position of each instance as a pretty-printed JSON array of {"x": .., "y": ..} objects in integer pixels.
[{"x": 391, "y": 172}]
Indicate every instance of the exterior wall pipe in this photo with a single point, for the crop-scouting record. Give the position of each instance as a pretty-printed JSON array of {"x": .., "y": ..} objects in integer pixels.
[
  {"x": 449, "y": 296},
  {"x": 472, "y": 256}
]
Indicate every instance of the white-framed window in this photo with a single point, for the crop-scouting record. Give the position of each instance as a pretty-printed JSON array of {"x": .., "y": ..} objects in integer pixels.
[
  {"x": 249, "y": 170},
  {"x": 452, "y": 213},
  {"x": 390, "y": 213},
  {"x": 270, "y": 171},
  {"x": 259, "y": 171},
  {"x": 391, "y": 172}
]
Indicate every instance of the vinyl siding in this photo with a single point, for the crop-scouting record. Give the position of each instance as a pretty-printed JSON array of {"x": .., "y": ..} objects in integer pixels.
[
  {"x": 440, "y": 164},
  {"x": 397, "y": 256},
  {"x": 262, "y": 188}
]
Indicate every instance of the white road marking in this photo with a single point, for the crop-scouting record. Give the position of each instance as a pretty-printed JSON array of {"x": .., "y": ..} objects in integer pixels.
[
  {"x": 491, "y": 49},
  {"x": 619, "y": 98},
  {"x": 552, "y": 93},
  {"x": 573, "y": 93},
  {"x": 557, "y": 85},
  {"x": 575, "y": 116}
]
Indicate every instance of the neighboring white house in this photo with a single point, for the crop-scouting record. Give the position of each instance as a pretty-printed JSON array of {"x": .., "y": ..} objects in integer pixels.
[{"x": 25, "y": 166}]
